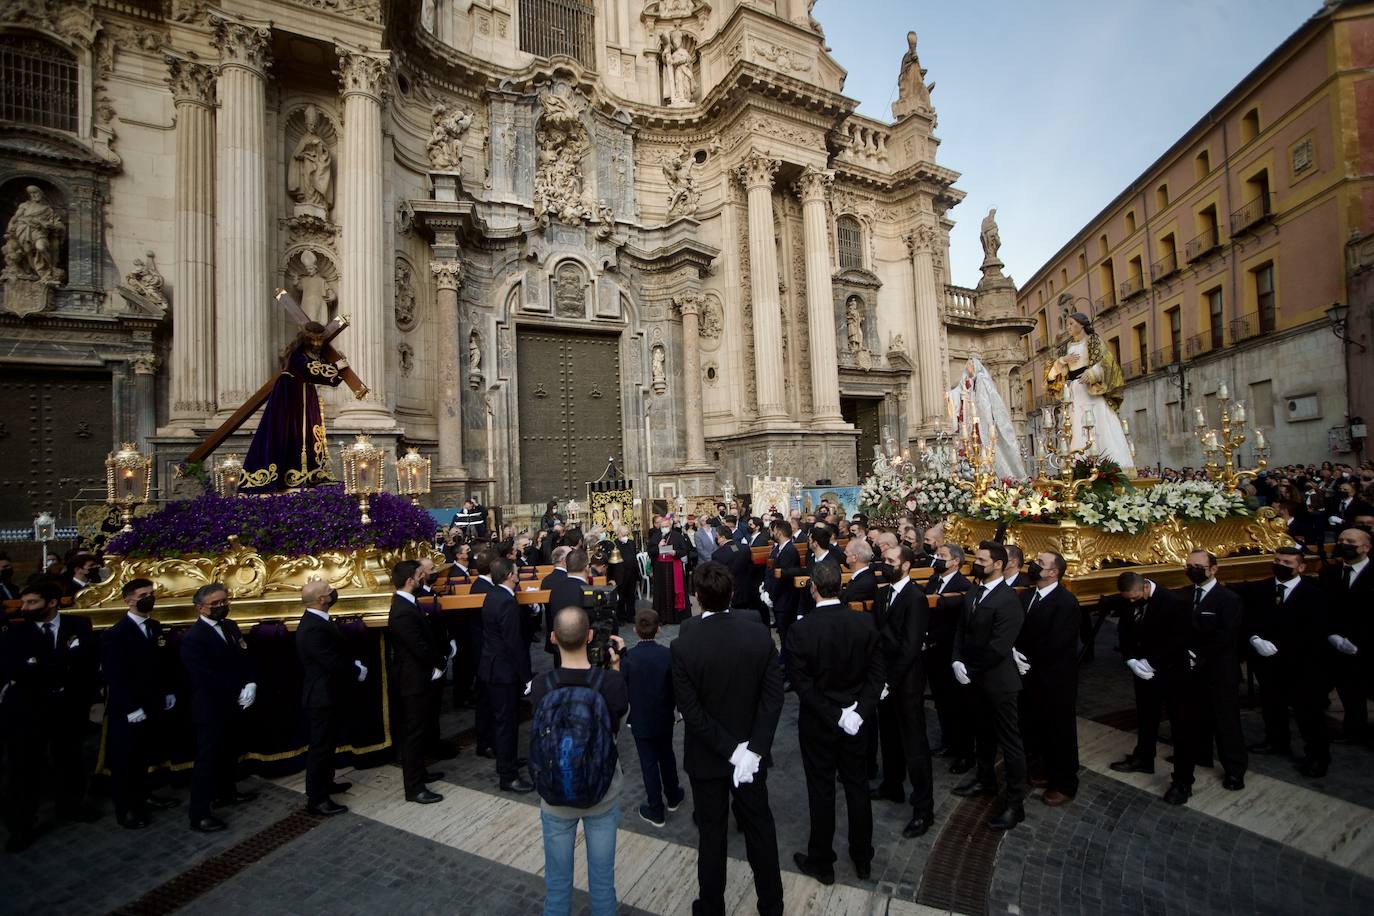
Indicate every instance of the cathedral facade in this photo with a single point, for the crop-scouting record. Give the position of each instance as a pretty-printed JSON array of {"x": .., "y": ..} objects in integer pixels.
[{"x": 561, "y": 232}]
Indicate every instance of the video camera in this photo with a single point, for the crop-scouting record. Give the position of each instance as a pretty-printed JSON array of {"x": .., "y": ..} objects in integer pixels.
[{"x": 599, "y": 601}]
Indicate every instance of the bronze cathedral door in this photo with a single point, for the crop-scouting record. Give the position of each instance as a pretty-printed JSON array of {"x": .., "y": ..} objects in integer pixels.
[{"x": 570, "y": 411}]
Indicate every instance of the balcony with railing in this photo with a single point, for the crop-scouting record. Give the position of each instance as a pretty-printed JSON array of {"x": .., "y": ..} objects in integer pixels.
[
  {"x": 1205, "y": 342},
  {"x": 1253, "y": 213},
  {"x": 1253, "y": 325},
  {"x": 865, "y": 141},
  {"x": 1105, "y": 304},
  {"x": 1131, "y": 286},
  {"x": 1134, "y": 369},
  {"x": 1164, "y": 266},
  {"x": 1166, "y": 356},
  {"x": 1204, "y": 244}
]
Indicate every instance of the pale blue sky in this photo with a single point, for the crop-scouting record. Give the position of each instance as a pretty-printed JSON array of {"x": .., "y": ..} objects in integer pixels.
[{"x": 1049, "y": 108}]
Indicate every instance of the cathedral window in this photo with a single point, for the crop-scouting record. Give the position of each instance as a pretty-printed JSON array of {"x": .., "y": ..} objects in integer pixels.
[
  {"x": 552, "y": 27},
  {"x": 849, "y": 239},
  {"x": 38, "y": 83}
]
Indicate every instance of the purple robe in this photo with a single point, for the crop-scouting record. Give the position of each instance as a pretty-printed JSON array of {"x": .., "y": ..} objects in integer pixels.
[{"x": 289, "y": 449}]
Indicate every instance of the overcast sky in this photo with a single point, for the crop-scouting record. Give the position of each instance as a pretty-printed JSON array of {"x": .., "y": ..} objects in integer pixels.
[{"x": 1049, "y": 108}]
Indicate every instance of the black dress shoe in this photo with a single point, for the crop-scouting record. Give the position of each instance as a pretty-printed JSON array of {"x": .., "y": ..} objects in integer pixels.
[
  {"x": 486, "y": 752},
  {"x": 961, "y": 765},
  {"x": 974, "y": 789},
  {"x": 161, "y": 802},
  {"x": 1314, "y": 768},
  {"x": 863, "y": 870},
  {"x": 238, "y": 798},
  {"x": 519, "y": 785},
  {"x": 1011, "y": 815},
  {"x": 824, "y": 875},
  {"x": 1233, "y": 783},
  {"x": 917, "y": 826},
  {"x": 881, "y": 794},
  {"x": 433, "y": 775},
  {"x": 134, "y": 821},
  {"x": 1132, "y": 765},
  {"x": 1178, "y": 794},
  {"x": 425, "y": 797},
  {"x": 327, "y": 808},
  {"x": 339, "y": 788},
  {"x": 1264, "y": 747},
  {"x": 209, "y": 824}
]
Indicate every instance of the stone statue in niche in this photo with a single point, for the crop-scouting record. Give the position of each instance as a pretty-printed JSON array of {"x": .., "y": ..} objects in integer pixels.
[
  {"x": 712, "y": 322},
  {"x": 407, "y": 311},
  {"x": 310, "y": 173},
  {"x": 406, "y": 353},
  {"x": 682, "y": 193},
  {"x": 33, "y": 240},
  {"x": 445, "y": 147},
  {"x": 570, "y": 291},
  {"x": 989, "y": 236},
  {"x": 854, "y": 323},
  {"x": 317, "y": 296},
  {"x": 147, "y": 281},
  {"x": 563, "y": 144},
  {"x": 428, "y": 16},
  {"x": 659, "y": 370},
  {"x": 475, "y": 360},
  {"x": 677, "y": 50}
]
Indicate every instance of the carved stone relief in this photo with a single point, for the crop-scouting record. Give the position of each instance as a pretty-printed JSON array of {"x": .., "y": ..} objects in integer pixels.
[
  {"x": 712, "y": 323},
  {"x": 570, "y": 285},
  {"x": 406, "y": 356},
  {"x": 146, "y": 282},
  {"x": 562, "y": 145},
  {"x": 445, "y": 148},
  {"x": 407, "y": 303}
]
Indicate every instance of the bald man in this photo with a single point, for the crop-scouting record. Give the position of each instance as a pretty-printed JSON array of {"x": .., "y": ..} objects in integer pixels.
[{"x": 329, "y": 675}]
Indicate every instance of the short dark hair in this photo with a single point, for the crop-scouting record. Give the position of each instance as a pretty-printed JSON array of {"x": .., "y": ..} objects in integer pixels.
[
  {"x": 1129, "y": 581},
  {"x": 1059, "y": 562},
  {"x": 576, "y": 560},
  {"x": 997, "y": 551},
  {"x": 572, "y": 537},
  {"x": 826, "y": 578},
  {"x": 46, "y": 589},
  {"x": 570, "y": 627},
  {"x": 205, "y": 591},
  {"x": 482, "y": 559},
  {"x": 905, "y": 555},
  {"x": 80, "y": 559},
  {"x": 646, "y": 623},
  {"x": 402, "y": 571},
  {"x": 501, "y": 570},
  {"x": 1015, "y": 554},
  {"x": 732, "y": 520},
  {"x": 756, "y": 522},
  {"x": 713, "y": 584},
  {"x": 821, "y": 535},
  {"x": 1211, "y": 557},
  {"x": 1291, "y": 552},
  {"x": 134, "y": 585},
  {"x": 781, "y": 524}
]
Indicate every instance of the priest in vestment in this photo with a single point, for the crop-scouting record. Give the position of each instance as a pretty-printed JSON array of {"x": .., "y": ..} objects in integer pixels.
[
  {"x": 289, "y": 449},
  {"x": 668, "y": 548}
]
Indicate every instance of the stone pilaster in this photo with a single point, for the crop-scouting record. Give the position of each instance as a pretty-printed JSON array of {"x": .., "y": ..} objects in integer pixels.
[
  {"x": 756, "y": 174},
  {"x": 448, "y": 278},
  {"x": 242, "y": 301},
  {"x": 689, "y": 306},
  {"x": 193, "y": 273},
  {"x": 145, "y": 394},
  {"x": 921, "y": 245},
  {"x": 362, "y": 81},
  {"x": 814, "y": 189}
]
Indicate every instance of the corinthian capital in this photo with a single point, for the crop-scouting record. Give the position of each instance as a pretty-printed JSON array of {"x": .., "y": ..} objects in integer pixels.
[
  {"x": 757, "y": 170},
  {"x": 241, "y": 42},
  {"x": 815, "y": 184},
  {"x": 922, "y": 240},
  {"x": 190, "y": 80},
  {"x": 362, "y": 72},
  {"x": 688, "y": 303},
  {"x": 448, "y": 273}
]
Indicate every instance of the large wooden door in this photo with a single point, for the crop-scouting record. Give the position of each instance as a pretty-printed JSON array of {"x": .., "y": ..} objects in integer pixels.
[
  {"x": 570, "y": 411},
  {"x": 863, "y": 413}
]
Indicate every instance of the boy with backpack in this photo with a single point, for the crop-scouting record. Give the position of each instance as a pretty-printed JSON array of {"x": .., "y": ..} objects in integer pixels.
[
  {"x": 648, "y": 670},
  {"x": 576, "y": 768}
]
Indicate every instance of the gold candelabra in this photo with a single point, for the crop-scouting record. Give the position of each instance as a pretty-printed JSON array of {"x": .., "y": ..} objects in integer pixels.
[
  {"x": 1220, "y": 444},
  {"x": 1066, "y": 489}
]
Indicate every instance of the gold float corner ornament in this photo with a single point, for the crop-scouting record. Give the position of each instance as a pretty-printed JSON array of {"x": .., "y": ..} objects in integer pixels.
[{"x": 249, "y": 574}]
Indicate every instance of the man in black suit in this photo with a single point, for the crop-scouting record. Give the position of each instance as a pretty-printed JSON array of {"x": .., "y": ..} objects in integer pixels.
[
  {"x": 565, "y": 586},
  {"x": 837, "y": 669},
  {"x": 1213, "y": 640},
  {"x": 779, "y": 589},
  {"x": 1346, "y": 505},
  {"x": 818, "y": 541},
  {"x": 728, "y": 686},
  {"x": 140, "y": 693},
  {"x": 472, "y": 619},
  {"x": 83, "y": 569},
  {"x": 48, "y": 673},
  {"x": 952, "y": 705},
  {"x": 1048, "y": 660},
  {"x": 8, "y": 590},
  {"x": 648, "y": 671},
  {"x": 1016, "y": 576},
  {"x": 1287, "y": 628},
  {"x": 983, "y": 660},
  {"x": 1153, "y": 629},
  {"x": 737, "y": 560},
  {"x": 328, "y": 677},
  {"x": 625, "y": 574},
  {"x": 445, "y": 630},
  {"x": 757, "y": 536},
  {"x": 223, "y": 687},
  {"x": 1349, "y": 589},
  {"x": 415, "y": 661},
  {"x": 863, "y": 583},
  {"x": 505, "y": 670}
]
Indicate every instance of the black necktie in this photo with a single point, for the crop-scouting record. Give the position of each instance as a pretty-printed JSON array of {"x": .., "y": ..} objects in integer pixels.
[
  {"x": 1280, "y": 594},
  {"x": 47, "y": 633},
  {"x": 978, "y": 599},
  {"x": 1347, "y": 575},
  {"x": 1035, "y": 597},
  {"x": 1197, "y": 597},
  {"x": 1140, "y": 610}
]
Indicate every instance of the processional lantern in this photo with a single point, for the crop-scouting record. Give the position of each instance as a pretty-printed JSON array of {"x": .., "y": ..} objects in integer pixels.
[
  {"x": 228, "y": 475},
  {"x": 128, "y": 478},
  {"x": 412, "y": 475},
  {"x": 364, "y": 472}
]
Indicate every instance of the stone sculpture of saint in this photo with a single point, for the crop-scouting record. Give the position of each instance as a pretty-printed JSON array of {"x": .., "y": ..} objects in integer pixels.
[
  {"x": 854, "y": 320},
  {"x": 474, "y": 353},
  {"x": 445, "y": 147},
  {"x": 316, "y": 295},
  {"x": 678, "y": 78},
  {"x": 33, "y": 239},
  {"x": 146, "y": 280},
  {"x": 988, "y": 234},
  {"x": 677, "y": 170},
  {"x": 310, "y": 174},
  {"x": 660, "y": 373}
]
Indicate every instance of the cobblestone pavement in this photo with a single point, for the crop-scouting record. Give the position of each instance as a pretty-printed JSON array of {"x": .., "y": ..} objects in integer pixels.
[{"x": 1116, "y": 849}]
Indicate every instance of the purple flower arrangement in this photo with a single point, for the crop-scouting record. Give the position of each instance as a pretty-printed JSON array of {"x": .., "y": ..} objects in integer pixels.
[{"x": 297, "y": 523}]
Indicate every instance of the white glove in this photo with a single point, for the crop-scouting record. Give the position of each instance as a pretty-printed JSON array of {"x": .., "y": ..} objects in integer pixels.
[
  {"x": 1022, "y": 664},
  {"x": 961, "y": 673},
  {"x": 1341, "y": 644},
  {"x": 1140, "y": 669},
  {"x": 528, "y": 685},
  {"x": 137, "y": 716},
  {"x": 248, "y": 695},
  {"x": 362, "y": 670},
  {"x": 1336, "y": 520},
  {"x": 1264, "y": 647},
  {"x": 850, "y": 720},
  {"x": 170, "y": 700},
  {"x": 438, "y": 673},
  {"x": 763, "y": 594},
  {"x": 1192, "y": 659},
  {"x": 883, "y": 696},
  {"x": 746, "y": 764},
  {"x": 452, "y": 648}
]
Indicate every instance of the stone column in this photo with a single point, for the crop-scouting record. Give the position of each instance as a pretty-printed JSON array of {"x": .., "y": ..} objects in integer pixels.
[
  {"x": 242, "y": 303},
  {"x": 921, "y": 244},
  {"x": 145, "y": 393},
  {"x": 362, "y": 79},
  {"x": 814, "y": 188},
  {"x": 689, "y": 305},
  {"x": 756, "y": 174},
  {"x": 448, "y": 277},
  {"x": 193, "y": 274}
]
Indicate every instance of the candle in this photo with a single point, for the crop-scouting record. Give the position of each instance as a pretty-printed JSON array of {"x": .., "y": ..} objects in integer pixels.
[
  {"x": 1259, "y": 438},
  {"x": 1199, "y": 419},
  {"x": 1089, "y": 419},
  {"x": 1125, "y": 427},
  {"x": 1066, "y": 395},
  {"x": 1238, "y": 412},
  {"x": 920, "y": 445},
  {"x": 1223, "y": 393}
]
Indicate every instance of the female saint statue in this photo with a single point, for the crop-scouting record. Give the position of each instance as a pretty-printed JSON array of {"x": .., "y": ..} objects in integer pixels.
[
  {"x": 1095, "y": 382},
  {"x": 977, "y": 394}
]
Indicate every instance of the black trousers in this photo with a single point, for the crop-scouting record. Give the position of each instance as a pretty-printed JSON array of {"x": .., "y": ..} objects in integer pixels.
[
  {"x": 467, "y": 631},
  {"x": 825, "y": 751},
  {"x": 915, "y": 748},
  {"x": 1164, "y": 693},
  {"x": 212, "y": 777},
  {"x": 998, "y": 728},
  {"x": 1049, "y": 727},
  {"x": 658, "y": 763},
  {"x": 504, "y": 700},
  {"x": 1213, "y": 693},
  {"x": 486, "y": 729},
  {"x": 414, "y": 718},
  {"x": 47, "y": 739},
  {"x": 319, "y": 759},
  {"x": 953, "y": 704},
  {"x": 1354, "y": 677},
  {"x": 889, "y": 743},
  {"x": 712, "y": 798},
  {"x": 1285, "y": 686},
  {"x": 129, "y": 748}
]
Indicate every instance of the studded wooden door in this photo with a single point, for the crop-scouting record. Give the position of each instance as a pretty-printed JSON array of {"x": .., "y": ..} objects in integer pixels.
[
  {"x": 55, "y": 430},
  {"x": 570, "y": 411},
  {"x": 863, "y": 413}
]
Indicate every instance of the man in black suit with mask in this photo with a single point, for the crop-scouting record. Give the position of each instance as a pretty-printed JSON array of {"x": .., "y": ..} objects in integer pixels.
[
  {"x": 1048, "y": 662},
  {"x": 737, "y": 560},
  {"x": 777, "y": 586},
  {"x": 328, "y": 679},
  {"x": 416, "y": 660},
  {"x": 951, "y": 704},
  {"x": 863, "y": 583},
  {"x": 505, "y": 670},
  {"x": 983, "y": 661},
  {"x": 1349, "y": 588}
]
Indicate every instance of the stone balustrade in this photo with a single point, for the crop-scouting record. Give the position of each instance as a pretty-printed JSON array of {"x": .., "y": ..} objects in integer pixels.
[
  {"x": 866, "y": 140},
  {"x": 960, "y": 302}
]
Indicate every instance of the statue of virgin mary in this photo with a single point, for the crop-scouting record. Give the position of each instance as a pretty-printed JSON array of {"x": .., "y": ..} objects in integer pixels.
[
  {"x": 1095, "y": 385},
  {"x": 977, "y": 392}
]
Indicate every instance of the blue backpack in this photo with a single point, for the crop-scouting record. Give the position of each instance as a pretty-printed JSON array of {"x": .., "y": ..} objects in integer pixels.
[{"x": 573, "y": 756}]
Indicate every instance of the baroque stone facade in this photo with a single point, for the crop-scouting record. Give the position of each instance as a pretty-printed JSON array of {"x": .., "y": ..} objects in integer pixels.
[{"x": 688, "y": 186}]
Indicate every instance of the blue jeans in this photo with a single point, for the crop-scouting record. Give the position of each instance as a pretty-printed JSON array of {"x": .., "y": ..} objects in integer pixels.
[{"x": 560, "y": 839}]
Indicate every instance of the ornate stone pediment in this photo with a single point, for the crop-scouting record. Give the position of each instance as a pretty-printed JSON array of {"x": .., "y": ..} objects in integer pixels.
[
  {"x": 54, "y": 146},
  {"x": 857, "y": 276}
]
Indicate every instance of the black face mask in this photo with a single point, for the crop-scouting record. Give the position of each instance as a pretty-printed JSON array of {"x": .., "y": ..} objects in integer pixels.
[
  {"x": 1284, "y": 573},
  {"x": 937, "y": 566},
  {"x": 1196, "y": 574},
  {"x": 979, "y": 571},
  {"x": 7, "y": 574},
  {"x": 1034, "y": 571},
  {"x": 36, "y": 616},
  {"x": 1346, "y": 552},
  {"x": 218, "y": 611},
  {"x": 928, "y": 548},
  {"x": 145, "y": 604},
  {"x": 333, "y": 597}
]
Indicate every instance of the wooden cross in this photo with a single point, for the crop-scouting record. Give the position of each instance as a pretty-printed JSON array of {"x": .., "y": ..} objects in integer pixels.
[{"x": 250, "y": 406}]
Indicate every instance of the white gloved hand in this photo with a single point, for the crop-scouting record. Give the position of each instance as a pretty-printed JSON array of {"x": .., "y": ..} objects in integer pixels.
[
  {"x": 961, "y": 673},
  {"x": 248, "y": 695},
  {"x": 1264, "y": 647},
  {"x": 170, "y": 700},
  {"x": 438, "y": 673},
  {"x": 850, "y": 720},
  {"x": 137, "y": 716},
  {"x": 1022, "y": 664},
  {"x": 1192, "y": 659},
  {"x": 884, "y": 695},
  {"x": 528, "y": 685},
  {"x": 746, "y": 764},
  {"x": 452, "y": 648},
  {"x": 1140, "y": 669},
  {"x": 1336, "y": 520},
  {"x": 1341, "y": 644},
  {"x": 765, "y": 598},
  {"x": 362, "y": 670}
]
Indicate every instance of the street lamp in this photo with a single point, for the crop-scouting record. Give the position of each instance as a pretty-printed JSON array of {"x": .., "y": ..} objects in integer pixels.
[{"x": 1339, "y": 314}]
